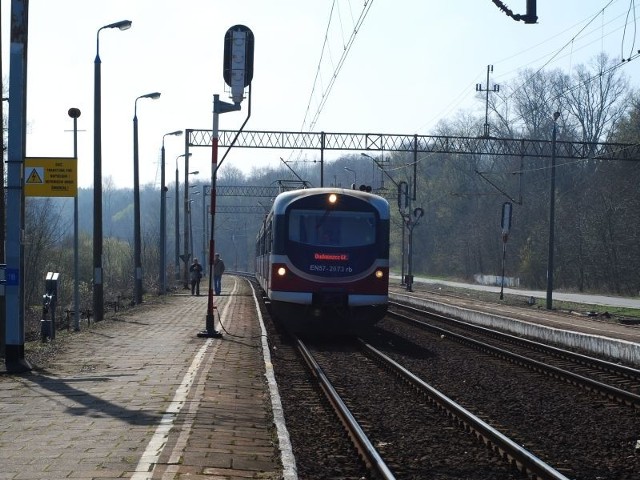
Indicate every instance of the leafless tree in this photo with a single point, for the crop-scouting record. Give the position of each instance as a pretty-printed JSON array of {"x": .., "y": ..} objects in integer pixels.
[{"x": 596, "y": 97}]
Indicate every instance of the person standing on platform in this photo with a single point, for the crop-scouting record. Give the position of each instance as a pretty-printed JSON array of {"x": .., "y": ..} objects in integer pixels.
[
  {"x": 218, "y": 270},
  {"x": 195, "y": 271}
]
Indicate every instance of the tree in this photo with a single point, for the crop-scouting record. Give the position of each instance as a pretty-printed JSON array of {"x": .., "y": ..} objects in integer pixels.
[
  {"x": 596, "y": 98},
  {"x": 45, "y": 229},
  {"x": 591, "y": 102}
]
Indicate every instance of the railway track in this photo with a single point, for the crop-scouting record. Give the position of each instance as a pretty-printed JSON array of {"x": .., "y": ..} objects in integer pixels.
[
  {"x": 582, "y": 434},
  {"x": 612, "y": 380},
  {"x": 412, "y": 450}
]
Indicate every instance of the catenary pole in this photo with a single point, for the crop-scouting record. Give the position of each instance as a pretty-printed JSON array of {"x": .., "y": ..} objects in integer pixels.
[{"x": 14, "y": 289}]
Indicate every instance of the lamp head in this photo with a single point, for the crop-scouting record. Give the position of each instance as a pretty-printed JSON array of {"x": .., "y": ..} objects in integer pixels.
[
  {"x": 122, "y": 25},
  {"x": 154, "y": 95},
  {"x": 176, "y": 133},
  {"x": 556, "y": 115}
]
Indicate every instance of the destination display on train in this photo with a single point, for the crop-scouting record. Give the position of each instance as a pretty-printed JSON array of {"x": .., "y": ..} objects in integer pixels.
[
  {"x": 334, "y": 266},
  {"x": 343, "y": 257}
]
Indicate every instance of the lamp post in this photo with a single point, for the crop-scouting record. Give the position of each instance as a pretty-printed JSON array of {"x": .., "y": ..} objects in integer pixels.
[
  {"x": 186, "y": 230},
  {"x": 193, "y": 192},
  {"x": 374, "y": 164},
  {"x": 206, "y": 190},
  {"x": 162, "y": 274},
  {"x": 190, "y": 203},
  {"x": 177, "y": 217},
  {"x": 354, "y": 176},
  {"x": 75, "y": 114},
  {"x": 98, "y": 290},
  {"x": 552, "y": 214},
  {"x": 137, "y": 243}
]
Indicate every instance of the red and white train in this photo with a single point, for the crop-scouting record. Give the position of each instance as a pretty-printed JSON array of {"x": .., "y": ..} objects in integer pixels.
[{"x": 322, "y": 258}]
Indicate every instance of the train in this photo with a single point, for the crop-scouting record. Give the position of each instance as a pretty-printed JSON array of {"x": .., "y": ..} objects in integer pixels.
[{"x": 322, "y": 259}]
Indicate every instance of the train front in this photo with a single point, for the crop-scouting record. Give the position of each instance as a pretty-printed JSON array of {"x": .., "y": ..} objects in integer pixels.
[{"x": 330, "y": 259}]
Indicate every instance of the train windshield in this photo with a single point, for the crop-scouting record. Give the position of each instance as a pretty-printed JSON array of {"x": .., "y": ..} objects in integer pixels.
[{"x": 332, "y": 227}]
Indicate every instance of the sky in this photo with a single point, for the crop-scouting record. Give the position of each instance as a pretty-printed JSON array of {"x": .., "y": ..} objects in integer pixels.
[{"x": 344, "y": 66}]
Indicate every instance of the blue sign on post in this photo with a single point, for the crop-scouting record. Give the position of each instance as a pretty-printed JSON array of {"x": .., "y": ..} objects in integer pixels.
[{"x": 12, "y": 277}]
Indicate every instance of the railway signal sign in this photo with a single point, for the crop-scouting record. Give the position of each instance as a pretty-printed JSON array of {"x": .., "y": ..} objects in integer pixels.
[
  {"x": 506, "y": 220},
  {"x": 238, "y": 60},
  {"x": 403, "y": 196}
]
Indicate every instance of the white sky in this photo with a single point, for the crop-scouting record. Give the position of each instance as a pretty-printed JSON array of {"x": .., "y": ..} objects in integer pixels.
[{"x": 412, "y": 63}]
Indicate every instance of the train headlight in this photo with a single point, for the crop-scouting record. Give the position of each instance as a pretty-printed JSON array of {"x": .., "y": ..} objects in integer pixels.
[
  {"x": 379, "y": 274},
  {"x": 281, "y": 271},
  {"x": 333, "y": 198}
]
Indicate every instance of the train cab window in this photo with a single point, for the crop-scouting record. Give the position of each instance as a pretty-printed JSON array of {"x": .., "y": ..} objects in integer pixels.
[{"x": 337, "y": 228}]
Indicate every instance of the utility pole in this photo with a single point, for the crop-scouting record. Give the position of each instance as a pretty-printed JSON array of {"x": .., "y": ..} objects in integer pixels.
[
  {"x": 495, "y": 89},
  {"x": 2, "y": 206},
  {"x": 14, "y": 237}
]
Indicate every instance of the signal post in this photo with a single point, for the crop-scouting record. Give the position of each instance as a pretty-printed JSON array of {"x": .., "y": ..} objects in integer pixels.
[{"x": 237, "y": 73}]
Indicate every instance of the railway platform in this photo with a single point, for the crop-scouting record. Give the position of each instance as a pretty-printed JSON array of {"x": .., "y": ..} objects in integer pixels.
[
  {"x": 142, "y": 396},
  {"x": 597, "y": 334}
]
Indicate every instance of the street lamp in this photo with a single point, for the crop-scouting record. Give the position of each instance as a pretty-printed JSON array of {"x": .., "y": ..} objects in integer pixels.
[
  {"x": 137, "y": 243},
  {"x": 177, "y": 217},
  {"x": 552, "y": 202},
  {"x": 162, "y": 276},
  {"x": 354, "y": 176},
  {"x": 98, "y": 300},
  {"x": 75, "y": 114},
  {"x": 375, "y": 164}
]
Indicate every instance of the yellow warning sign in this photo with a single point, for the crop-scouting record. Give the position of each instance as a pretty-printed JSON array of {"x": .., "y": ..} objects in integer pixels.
[
  {"x": 36, "y": 175},
  {"x": 50, "y": 177}
]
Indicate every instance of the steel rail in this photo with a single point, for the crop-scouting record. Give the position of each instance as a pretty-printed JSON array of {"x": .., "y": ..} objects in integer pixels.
[
  {"x": 493, "y": 438},
  {"x": 603, "y": 365},
  {"x": 369, "y": 454},
  {"x": 602, "y": 388}
]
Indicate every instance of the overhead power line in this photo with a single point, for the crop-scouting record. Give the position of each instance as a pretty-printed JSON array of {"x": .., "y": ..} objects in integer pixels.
[{"x": 324, "y": 95}]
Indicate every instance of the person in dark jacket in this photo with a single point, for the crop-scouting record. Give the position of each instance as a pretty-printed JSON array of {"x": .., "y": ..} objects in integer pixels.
[
  {"x": 218, "y": 270},
  {"x": 195, "y": 271}
]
